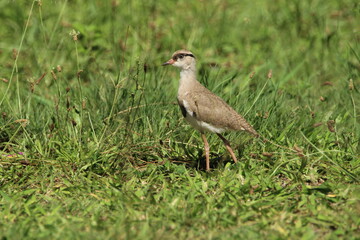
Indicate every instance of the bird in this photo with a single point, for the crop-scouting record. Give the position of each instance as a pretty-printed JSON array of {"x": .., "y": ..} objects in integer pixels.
[{"x": 205, "y": 111}]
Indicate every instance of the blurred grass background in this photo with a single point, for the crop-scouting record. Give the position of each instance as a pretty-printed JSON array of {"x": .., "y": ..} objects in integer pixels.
[{"x": 93, "y": 145}]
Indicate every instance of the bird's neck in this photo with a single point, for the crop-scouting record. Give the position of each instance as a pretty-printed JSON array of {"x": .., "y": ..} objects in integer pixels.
[{"x": 187, "y": 79}]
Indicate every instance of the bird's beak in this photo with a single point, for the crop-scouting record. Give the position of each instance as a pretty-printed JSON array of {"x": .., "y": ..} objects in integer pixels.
[{"x": 170, "y": 62}]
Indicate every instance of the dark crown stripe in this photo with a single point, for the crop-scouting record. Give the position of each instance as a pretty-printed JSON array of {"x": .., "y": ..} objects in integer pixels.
[
  {"x": 190, "y": 55},
  {"x": 183, "y": 54}
]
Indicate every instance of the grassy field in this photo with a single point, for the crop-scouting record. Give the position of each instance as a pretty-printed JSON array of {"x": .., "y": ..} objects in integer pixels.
[{"x": 93, "y": 145}]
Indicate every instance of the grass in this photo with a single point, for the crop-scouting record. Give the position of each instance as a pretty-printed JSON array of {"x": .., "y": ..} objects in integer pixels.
[{"x": 93, "y": 145}]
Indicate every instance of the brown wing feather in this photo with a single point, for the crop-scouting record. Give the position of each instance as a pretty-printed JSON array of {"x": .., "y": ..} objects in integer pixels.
[{"x": 212, "y": 109}]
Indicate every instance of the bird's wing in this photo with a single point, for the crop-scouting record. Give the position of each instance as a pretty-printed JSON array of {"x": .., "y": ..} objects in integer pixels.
[{"x": 209, "y": 108}]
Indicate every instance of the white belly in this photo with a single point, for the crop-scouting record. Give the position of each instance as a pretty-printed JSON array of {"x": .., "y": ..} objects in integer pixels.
[{"x": 203, "y": 126}]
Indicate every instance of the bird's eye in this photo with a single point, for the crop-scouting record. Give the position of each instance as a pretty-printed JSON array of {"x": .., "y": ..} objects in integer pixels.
[{"x": 181, "y": 56}]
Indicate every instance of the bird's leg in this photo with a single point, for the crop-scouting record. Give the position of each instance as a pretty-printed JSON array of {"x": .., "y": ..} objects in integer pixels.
[
  {"x": 228, "y": 147},
  {"x": 207, "y": 151}
]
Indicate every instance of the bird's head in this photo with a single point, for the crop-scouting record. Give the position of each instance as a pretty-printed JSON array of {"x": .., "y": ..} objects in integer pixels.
[{"x": 182, "y": 59}]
